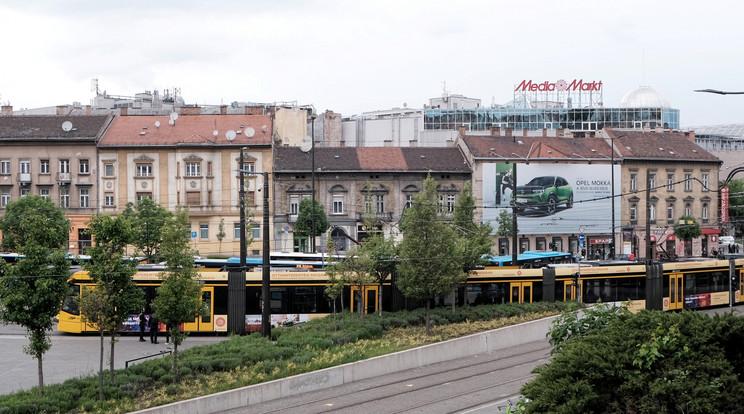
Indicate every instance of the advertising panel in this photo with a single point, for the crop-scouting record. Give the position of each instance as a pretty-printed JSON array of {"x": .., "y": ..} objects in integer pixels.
[{"x": 553, "y": 198}]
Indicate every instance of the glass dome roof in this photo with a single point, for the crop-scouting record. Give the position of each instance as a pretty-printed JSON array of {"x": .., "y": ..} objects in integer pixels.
[{"x": 644, "y": 97}]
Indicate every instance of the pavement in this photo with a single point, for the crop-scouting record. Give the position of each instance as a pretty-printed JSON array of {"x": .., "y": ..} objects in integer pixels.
[{"x": 73, "y": 356}]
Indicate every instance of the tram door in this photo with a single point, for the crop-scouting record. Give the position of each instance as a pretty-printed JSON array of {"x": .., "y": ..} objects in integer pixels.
[
  {"x": 369, "y": 299},
  {"x": 738, "y": 290},
  {"x": 569, "y": 290},
  {"x": 203, "y": 323},
  {"x": 520, "y": 292},
  {"x": 676, "y": 299}
]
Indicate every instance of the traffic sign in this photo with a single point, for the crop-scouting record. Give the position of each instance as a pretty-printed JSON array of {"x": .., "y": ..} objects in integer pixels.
[
  {"x": 193, "y": 234},
  {"x": 582, "y": 241}
]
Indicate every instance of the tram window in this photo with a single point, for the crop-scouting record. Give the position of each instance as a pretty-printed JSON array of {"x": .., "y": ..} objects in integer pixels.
[
  {"x": 537, "y": 295},
  {"x": 71, "y": 302},
  {"x": 220, "y": 300},
  {"x": 207, "y": 300}
]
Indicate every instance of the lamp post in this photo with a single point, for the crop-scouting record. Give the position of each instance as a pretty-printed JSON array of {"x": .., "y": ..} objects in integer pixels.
[
  {"x": 312, "y": 175},
  {"x": 613, "y": 245},
  {"x": 266, "y": 268}
]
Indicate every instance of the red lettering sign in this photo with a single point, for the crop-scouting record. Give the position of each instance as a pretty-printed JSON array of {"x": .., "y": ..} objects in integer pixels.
[{"x": 560, "y": 85}]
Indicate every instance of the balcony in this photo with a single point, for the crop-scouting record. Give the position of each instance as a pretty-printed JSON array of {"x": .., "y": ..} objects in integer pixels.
[
  {"x": 384, "y": 216},
  {"x": 63, "y": 178},
  {"x": 23, "y": 178}
]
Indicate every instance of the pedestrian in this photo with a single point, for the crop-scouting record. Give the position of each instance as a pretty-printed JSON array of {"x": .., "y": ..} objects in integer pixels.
[
  {"x": 154, "y": 329},
  {"x": 142, "y": 325}
]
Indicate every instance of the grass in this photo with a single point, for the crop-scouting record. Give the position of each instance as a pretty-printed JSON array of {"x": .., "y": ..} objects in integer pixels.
[{"x": 242, "y": 361}]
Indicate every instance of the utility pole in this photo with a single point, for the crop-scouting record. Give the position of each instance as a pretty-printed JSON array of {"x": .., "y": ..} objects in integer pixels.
[
  {"x": 312, "y": 174},
  {"x": 515, "y": 242},
  {"x": 649, "y": 250},
  {"x": 266, "y": 268}
]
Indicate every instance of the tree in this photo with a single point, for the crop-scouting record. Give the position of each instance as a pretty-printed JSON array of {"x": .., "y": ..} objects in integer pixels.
[
  {"x": 426, "y": 266},
  {"x": 504, "y": 224},
  {"x": 148, "y": 218},
  {"x": 115, "y": 296},
  {"x": 355, "y": 269},
  {"x": 32, "y": 291},
  {"x": 304, "y": 223},
  {"x": 179, "y": 297},
  {"x": 221, "y": 232},
  {"x": 686, "y": 229},
  {"x": 383, "y": 254},
  {"x": 736, "y": 207}
]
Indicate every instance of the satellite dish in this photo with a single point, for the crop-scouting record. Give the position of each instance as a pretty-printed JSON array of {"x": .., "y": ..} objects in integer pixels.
[
  {"x": 249, "y": 132},
  {"x": 306, "y": 144},
  {"x": 157, "y": 124},
  {"x": 173, "y": 116},
  {"x": 264, "y": 128},
  {"x": 171, "y": 122},
  {"x": 215, "y": 132},
  {"x": 67, "y": 126},
  {"x": 230, "y": 135}
]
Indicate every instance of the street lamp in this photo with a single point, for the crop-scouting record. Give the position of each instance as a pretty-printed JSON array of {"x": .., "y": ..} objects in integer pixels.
[{"x": 312, "y": 175}]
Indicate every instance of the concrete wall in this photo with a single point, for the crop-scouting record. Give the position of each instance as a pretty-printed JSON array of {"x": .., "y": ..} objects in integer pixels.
[{"x": 330, "y": 377}]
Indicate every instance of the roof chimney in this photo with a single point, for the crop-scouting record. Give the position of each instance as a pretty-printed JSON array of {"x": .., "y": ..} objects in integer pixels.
[
  {"x": 690, "y": 135},
  {"x": 223, "y": 109},
  {"x": 463, "y": 130},
  {"x": 544, "y": 132},
  {"x": 524, "y": 132},
  {"x": 124, "y": 111},
  {"x": 509, "y": 131},
  {"x": 191, "y": 110},
  {"x": 559, "y": 132},
  {"x": 87, "y": 110},
  {"x": 61, "y": 110},
  {"x": 7, "y": 110},
  {"x": 495, "y": 131}
]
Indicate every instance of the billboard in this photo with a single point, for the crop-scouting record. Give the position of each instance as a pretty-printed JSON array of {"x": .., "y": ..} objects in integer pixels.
[{"x": 553, "y": 198}]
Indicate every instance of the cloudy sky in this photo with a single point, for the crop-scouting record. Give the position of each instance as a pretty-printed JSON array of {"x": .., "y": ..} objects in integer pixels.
[{"x": 351, "y": 56}]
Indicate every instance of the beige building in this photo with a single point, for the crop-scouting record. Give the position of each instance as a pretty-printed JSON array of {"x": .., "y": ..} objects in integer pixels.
[
  {"x": 54, "y": 157},
  {"x": 190, "y": 160},
  {"x": 568, "y": 188}
]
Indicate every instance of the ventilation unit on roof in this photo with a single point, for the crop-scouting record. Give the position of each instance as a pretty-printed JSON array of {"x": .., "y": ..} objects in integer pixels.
[{"x": 143, "y": 133}]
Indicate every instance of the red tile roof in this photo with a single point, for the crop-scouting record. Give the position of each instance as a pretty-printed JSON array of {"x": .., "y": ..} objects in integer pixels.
[{"x": 190, "y": 130}]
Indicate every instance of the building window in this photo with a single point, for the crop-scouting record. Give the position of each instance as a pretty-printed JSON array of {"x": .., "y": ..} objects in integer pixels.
[
  {"x": 450, "y": 203},
  {"x": 670, "y": 182},
  {"x": 140, "y": 196},
  {"x": 236, "y": 231},
  {"x": 652, "y": 181},
  {"x": 688, "y": 209},
  {"x": 633, "y": 212},
  {"x": 633, "y": 182},
  {"x": 256, "y": 231},
  {"x": 193, "y": 169},
  {"x": 193, "y": 198},
  {"x": 294, "y": 205},
  {"x": 108, "y": 169},
  {"x": 44, "y": 167},
  {"x": 705, "y": 212},
  {"x": 204, "y": 230},
  {"x": 4, "y": 196},
  {"x": 5, "y": 167},
  {"x": 84, "y": 197},
  {"x": 409, "y": 200},
  {"x": 24, "y": 192},
  {"x": 249, "y": 168},
  {"x": 706, "y": 181},
  {"x": 64, "y": 166},
  {"x": 144, "y": 170},
  {"x": 209, "y": 169},
  {"x": 380, "y": 203},
  {"x": 688, "y": 182},
  {"x": 108, "y": 200},
  {"x": 25, "y": 167},
  {"x": 670, "y": 212},
  {"x": 84, "y": 167},
  {"x": 338, "y": 204},
  {"x": 44, "y": 193},
  {"x": 652, "y": 213},
  {"x": 64, "y": 197}
]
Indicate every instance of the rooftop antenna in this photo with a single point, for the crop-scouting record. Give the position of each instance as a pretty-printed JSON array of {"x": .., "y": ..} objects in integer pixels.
[{"x": 94, "y": 86}]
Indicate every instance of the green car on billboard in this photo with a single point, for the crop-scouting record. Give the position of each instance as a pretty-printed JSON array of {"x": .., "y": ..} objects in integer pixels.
[{"x": 544, "y": 194}]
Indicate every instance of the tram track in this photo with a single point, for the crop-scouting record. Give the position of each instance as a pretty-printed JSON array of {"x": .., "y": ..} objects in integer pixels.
[{"x": 435, "y": 388}]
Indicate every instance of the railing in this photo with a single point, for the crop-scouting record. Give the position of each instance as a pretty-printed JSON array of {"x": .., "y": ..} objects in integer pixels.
[
  {"x": 161, "y": 353},
  {"x": 385, "y": 216},
  {"x": 24, "y": 178},
  {"x": 63, "y": 177}
]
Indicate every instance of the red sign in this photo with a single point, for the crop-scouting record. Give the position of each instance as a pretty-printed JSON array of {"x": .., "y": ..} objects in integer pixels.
[
  {"x": 600, "y": 241},
  {"x": 560, "y": 85},
  {"x": 724, "y": 204}
]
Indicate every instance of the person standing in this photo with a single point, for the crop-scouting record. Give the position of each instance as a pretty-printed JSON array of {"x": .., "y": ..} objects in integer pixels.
[
  {"x": 142, "y": 325},
  {"x": 154, "y": 328}
]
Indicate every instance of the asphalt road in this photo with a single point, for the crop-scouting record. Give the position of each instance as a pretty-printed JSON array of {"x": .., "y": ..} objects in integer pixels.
[{"x": 72, "y": 356}]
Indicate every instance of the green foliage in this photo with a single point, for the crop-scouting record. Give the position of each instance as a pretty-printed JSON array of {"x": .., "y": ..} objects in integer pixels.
[
  {"x": 32, "y": 291},
  {"x": 221, "y": 232},
  {"x": 179, "y": 296},
  {"x": 474, "y": 240},
  {"x": 148, "y": 218},
  {"x": 649, "y": 362},
  {"x": 304, "y": 223},
  {"x": 580, "y": 323},
  {"x": 296, "y": 349},
  {"x": 429, "y": 244},
  {"x": 505, "y": 221},
  {"x": 736, "y": 206},
  {"x": 686, "y": 229}
]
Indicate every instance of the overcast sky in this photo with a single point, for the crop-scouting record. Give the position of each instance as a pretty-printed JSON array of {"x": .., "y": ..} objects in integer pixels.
[{"x": 352, "y": 56}]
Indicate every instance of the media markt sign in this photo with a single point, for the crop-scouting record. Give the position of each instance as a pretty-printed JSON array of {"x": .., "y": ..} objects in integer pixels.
[{"x": 577, "y": 85}]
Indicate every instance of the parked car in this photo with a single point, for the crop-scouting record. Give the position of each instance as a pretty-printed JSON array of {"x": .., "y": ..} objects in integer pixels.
[{"x": 545, "y": 194}]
